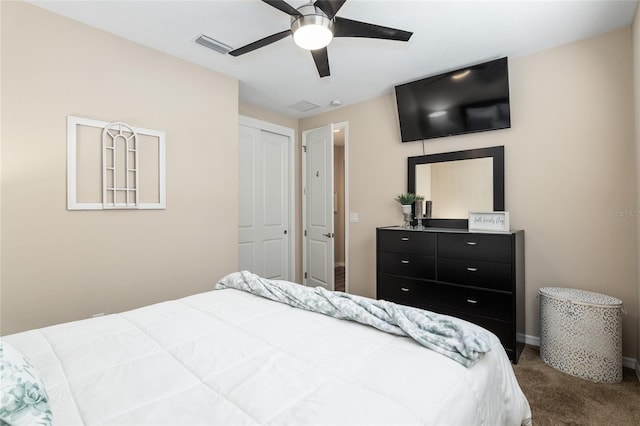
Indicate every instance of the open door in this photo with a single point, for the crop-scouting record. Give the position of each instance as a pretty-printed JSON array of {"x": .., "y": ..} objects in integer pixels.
[{"x": 318, "y": 236}]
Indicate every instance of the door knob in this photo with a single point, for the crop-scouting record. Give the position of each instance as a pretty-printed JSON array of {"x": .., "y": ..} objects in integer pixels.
[{"x": 328, "y": 235}]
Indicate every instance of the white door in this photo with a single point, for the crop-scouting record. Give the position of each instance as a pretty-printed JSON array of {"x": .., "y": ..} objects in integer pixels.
[
  {"x": 264, "y": 197},
  {"x": 318, "y": 206}
]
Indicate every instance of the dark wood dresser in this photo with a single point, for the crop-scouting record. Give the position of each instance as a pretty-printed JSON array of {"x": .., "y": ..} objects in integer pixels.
[{"x": 475, "y": 276}]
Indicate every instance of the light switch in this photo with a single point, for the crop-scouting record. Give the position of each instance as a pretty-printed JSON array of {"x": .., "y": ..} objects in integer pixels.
[{"x": 354, "y": 218}]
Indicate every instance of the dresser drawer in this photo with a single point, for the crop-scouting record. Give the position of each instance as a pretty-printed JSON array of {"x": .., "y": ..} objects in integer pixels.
[
  {"x": 492, "y": 248},
  {"x": 430, "y": 296},
  {"x": 404, "y": 291},
  {"x": 471, "y": 301},
  {"x": 422, "y": 243},
  {"x": 476, "y": 273},
  {"x": 410, "y": 265},
  {"x": 502, "y": 329}
]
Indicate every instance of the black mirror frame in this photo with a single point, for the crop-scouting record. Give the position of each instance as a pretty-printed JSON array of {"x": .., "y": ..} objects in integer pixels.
[{"x": 495, "y": 152}]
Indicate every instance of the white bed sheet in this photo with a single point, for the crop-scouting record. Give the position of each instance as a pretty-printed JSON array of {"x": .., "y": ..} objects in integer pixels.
[{"x": 227, "y": 357}]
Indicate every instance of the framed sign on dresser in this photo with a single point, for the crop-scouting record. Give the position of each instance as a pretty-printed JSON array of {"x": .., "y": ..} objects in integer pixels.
[{"x": 478, "y": 277}]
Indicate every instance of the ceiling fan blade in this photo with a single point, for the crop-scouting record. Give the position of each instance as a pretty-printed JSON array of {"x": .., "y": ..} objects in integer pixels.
[
  {"x": 343, "y": 27},
  {"x": 284, "y": 7},
  {"x": 260, "y": 43},
  {"x": 329, "y": 7},
  {"x": 321, "y": 58}
]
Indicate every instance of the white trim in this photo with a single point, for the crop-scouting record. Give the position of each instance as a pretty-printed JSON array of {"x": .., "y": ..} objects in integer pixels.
[
  {"x": 627, "y": 362},
  {"x": 72, "y": 203},
  {"x": 532, "y": 340},
  {"x": 291, "y": 134}
]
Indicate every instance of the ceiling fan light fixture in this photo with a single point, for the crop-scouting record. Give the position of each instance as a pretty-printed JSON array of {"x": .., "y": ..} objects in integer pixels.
[
  {"x": 312, "y": 32},
  {"x": 313, "y": 26}
]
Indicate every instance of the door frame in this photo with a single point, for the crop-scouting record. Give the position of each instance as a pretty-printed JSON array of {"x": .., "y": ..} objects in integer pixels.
[
  {"x": 291, "y": 134},
  {"x": 344, "y": 125}
]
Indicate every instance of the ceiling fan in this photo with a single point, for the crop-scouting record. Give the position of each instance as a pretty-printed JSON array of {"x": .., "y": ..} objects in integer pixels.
[{"x": 314, "y": 25}]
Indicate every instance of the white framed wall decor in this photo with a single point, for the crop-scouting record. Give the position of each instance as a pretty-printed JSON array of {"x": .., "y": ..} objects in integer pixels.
[
  {"x": 111, "y": 165},
  {"x": 489, "y": 222}
]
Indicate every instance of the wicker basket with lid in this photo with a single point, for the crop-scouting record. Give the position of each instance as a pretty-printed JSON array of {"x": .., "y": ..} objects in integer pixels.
[{"x": 581, "y": 333}]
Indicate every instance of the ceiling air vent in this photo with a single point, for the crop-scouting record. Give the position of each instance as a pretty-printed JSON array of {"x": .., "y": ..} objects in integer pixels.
[
  {"x": 303, "y": 106},
  {"x": 213, "y": 44}
]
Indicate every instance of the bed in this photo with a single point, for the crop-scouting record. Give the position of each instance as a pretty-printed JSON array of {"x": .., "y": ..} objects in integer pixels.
[{"x": 231, "y": 357}]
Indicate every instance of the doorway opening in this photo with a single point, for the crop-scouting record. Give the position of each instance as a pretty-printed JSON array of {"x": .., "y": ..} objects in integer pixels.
[
  {"x": 325, "y": 183},
  {"x": 339, "y": 211}
]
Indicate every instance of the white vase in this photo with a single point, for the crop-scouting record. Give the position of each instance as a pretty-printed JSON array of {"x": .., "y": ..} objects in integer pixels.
[{"x": 406, "y": 211}]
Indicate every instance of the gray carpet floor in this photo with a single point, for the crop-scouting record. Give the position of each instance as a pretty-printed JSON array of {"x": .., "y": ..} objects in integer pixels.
[
  {"x": 339, "y": 278},
  {"x": 557, "y": 398}
]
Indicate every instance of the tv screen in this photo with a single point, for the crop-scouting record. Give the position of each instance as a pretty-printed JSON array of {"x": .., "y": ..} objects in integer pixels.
[{"x": 471, "y": 99}]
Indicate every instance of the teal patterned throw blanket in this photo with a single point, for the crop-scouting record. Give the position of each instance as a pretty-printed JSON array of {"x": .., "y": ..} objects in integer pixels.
[{"x": 440, "y": 333}]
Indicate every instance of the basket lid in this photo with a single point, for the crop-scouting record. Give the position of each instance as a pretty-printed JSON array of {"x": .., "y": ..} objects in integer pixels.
[{"x": 581, "y": 296}]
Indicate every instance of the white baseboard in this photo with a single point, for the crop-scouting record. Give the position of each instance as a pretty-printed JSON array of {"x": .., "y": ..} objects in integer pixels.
[
  {"x": 532, "y": 340},
  {"x": 630, "y": 363},
  {"x": 626, "y": 361}
]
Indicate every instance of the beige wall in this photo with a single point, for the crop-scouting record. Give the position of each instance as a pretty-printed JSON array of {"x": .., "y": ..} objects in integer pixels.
[
  {"x": 60, "y": 265},
  {"x": 636, "y": 73},
  {"x": 258, "y": 113},
  {"x": 569, "y": 166}
]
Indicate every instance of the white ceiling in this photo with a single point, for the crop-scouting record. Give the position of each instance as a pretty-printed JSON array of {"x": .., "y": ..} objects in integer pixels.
[{"x": 447, "y": 35}]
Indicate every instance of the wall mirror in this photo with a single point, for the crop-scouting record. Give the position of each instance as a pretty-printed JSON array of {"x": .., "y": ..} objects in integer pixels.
[{"x": 458, "y": 182}]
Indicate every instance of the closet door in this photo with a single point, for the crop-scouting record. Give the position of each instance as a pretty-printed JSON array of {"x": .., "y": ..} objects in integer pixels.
[{"x": 264, "y": 202}]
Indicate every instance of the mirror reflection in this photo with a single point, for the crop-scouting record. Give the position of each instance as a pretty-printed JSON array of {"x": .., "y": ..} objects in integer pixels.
[
  {"x": 458, "y": 182},
  {"x": 452, "y": 189}
]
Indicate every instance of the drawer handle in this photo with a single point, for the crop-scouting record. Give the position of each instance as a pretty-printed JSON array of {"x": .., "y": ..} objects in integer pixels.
[
  {"x": 473, "y": 302},
  {"x": 471, "y": 243},
  {"x": 406, "y": 262},
  {"x": 470, "y": 269},
  {"x": 405, "y": 238},
  {"x": 404, "y": 289}
]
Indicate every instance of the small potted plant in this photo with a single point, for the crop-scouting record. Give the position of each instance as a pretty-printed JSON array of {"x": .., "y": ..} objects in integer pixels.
[{"x": 406, "y": 200}]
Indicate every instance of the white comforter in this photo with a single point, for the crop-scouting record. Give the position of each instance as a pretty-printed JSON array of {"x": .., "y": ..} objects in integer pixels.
[{"x": 227, "y": 357}]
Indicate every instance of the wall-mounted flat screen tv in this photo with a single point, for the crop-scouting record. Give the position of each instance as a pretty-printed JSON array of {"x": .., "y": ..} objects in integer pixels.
[{"x": 471, "y": 99}]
